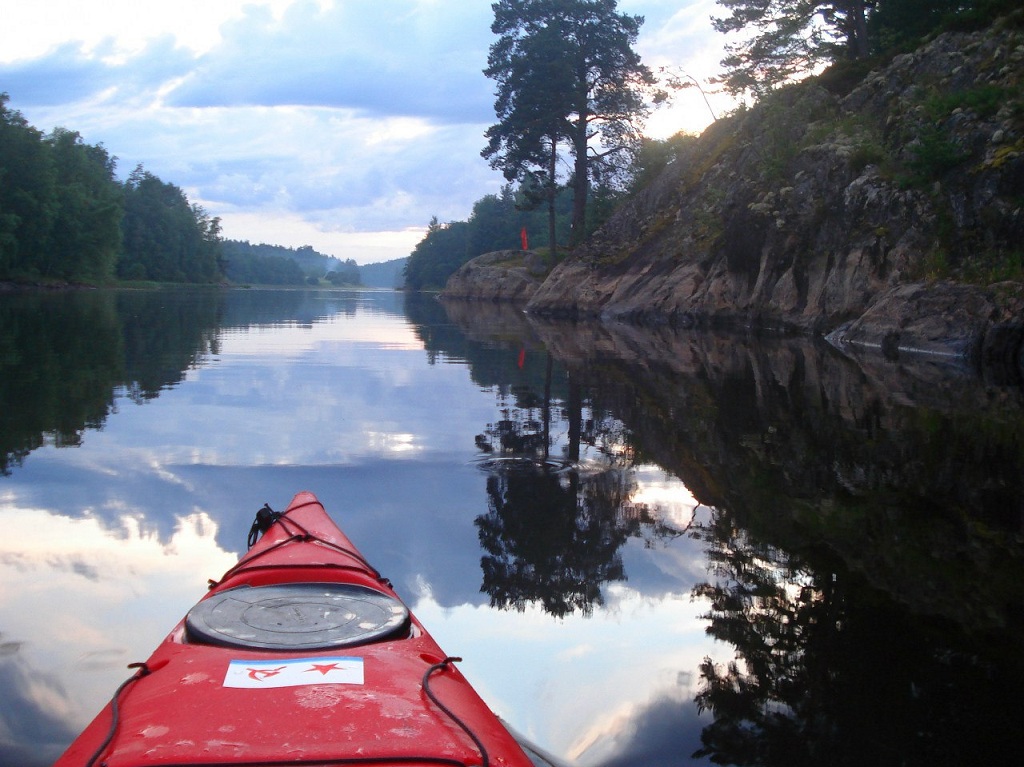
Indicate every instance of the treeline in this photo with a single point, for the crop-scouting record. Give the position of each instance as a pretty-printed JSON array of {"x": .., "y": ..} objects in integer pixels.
[
  {"x": 791, "y": 38},
  {"x": 263, "y": 264},
  {"x": 166, "y": 238},
  {"x": 496, "y": 223},
  {"x": 498, "y": 220},
  {"x": 246, "y": 268},
  {"x": 65, "y": 216},
  {"x": 385, "y": 274}
]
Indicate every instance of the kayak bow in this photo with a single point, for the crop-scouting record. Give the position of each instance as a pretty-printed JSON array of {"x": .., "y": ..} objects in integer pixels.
[{"x": 301, "y": 654}]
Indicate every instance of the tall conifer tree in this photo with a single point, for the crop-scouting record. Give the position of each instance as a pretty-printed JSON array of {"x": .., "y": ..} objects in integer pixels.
[
  {"x": 567, "y": 74},
  {"x": 789, "y": 38}
]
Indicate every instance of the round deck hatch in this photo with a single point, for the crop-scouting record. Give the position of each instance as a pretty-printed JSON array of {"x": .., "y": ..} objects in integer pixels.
[{"x": 296, "y": 616}]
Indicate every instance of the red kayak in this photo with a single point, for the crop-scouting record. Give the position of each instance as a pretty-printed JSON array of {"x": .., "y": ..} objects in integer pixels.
[{"x": 301, "y": 654}]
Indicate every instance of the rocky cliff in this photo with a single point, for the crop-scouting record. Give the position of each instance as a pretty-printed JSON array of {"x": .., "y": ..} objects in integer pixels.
[
  {"x": 504, "y": 275},
  {"x": 889, "y": 216}
]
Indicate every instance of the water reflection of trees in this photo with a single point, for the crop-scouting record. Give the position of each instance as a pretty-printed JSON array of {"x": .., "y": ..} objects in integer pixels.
[
  {"x": 830, "y": 670},
  {"x": 52, "y": 384},
  {"x": 65, "y": 356},
  {"x": 865, "y": 545},
  {"x": 555, "y": 525}
]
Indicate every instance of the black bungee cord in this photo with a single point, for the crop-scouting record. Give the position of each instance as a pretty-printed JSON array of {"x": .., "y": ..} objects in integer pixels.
[
  {"x": 448, "y": 712},
  {"x": 265, "y": 517},
  {"x": 115, "y": 714}
]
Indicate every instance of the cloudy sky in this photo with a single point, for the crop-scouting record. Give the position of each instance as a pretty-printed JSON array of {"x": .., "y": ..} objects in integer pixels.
[{"x": 341, "y": 124}]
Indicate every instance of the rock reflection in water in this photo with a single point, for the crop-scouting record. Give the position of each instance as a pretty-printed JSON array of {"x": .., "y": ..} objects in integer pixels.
[{"x": 864, "y": 545}]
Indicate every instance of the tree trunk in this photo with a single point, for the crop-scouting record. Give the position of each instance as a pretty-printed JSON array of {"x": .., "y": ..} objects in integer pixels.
[
  {"x": 574, "y": 413},
  {"x": 581, "y": 180},
  {"x": 552, "y": 194},
  {"x": 859, "y": 48}
]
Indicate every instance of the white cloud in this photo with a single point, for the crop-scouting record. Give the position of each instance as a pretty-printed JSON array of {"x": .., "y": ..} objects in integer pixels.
[
  {"x": 300, "y": 121},
  {"x": 32, "y": 28},
  {"x": 421, "y": 62}
]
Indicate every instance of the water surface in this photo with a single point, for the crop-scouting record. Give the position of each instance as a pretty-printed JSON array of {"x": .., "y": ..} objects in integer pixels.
[{"x": 642, "y": 543}]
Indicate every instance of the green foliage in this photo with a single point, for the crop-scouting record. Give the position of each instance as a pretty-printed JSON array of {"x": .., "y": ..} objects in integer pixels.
[
  {"x": 934, "y": 155},
  {"x": 312, "y": 262},
  {"x": 989, "y": 268},
  {"x": 935, "y": 265},
  {"x": 497, "y": 220},
  {"x": 346, "y": 275},
  {"x": 262, "y": 264},
  {"x": 495, "y": 224},
  {"x": 781, "y": 132},
  {"x": 867, "y": 152},
  {"x": 438, "y": 255},
  {"x": 894, "y": 25},
  {"x": 27, "y": 194},
  {"x": 978, "y": 14},
  {"x": 654, "y": 156},
  {"x": 60, "y": 205},
  {"x": 86, "y": 235},
  {"x": 984, "y": 100},
  {"x": 65, "y": 217},
  {"x": 787, "y": 39},
  {"x": 249, "y": 269},
  {"x": 566, "y": 74},
  {"x": 844, "y": 75},
  {"x": 979, "y": 268},
  {"x": 166, "y": 239}
]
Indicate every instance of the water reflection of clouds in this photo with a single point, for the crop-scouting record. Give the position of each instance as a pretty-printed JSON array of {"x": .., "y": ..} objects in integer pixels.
[
  {"x": 82, "y": 601},
  {"x": 351, "y": 409},
  {"x": 299, "y": 414},
  {"x": 551, "y": 678},
  {"x": 35, "y": 721},
  {"x": 374, "y": 330},
  {"x": 665, "y": 495},
  {"x": 341, "y": 412}
]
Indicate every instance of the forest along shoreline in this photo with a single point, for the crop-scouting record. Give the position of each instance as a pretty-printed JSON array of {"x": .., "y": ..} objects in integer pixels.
[{"x": 885, "y": 214}]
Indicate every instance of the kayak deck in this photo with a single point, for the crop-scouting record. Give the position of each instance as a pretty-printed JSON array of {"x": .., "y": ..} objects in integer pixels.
[{"x": 301, "y": 654}]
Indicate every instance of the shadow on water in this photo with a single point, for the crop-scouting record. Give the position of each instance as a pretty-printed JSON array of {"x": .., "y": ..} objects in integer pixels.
[{"x": 864, "y": 541}]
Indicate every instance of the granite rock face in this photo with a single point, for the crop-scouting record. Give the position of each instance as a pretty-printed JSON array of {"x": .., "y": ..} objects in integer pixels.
[
  {"x": 818, "y": 209},
  {"x": 980, "y": 328},
  {"x": 504, "y": 275}
]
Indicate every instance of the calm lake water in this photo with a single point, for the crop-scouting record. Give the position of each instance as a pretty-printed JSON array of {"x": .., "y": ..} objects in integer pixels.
[{"x": 642, "y": 543}]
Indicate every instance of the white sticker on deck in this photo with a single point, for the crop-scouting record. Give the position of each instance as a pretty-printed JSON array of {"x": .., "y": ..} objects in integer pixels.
[{"x": 293, "y": 672}]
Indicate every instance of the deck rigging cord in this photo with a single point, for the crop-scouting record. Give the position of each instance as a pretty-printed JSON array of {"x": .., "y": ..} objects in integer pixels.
[
  {"x": 442, "y": 666},
  {"x": 115, "y": 714},
  {"x": 266, "y": 517}
]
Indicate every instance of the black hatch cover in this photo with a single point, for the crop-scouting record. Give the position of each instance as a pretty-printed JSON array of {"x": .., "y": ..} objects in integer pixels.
[{"x": 296, "y": 616}]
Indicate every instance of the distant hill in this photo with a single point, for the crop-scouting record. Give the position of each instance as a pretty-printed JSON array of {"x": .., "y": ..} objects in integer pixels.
[
  {"x": 265, "y": 264},
  {"x": 388, "y": 274}
]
